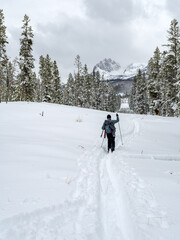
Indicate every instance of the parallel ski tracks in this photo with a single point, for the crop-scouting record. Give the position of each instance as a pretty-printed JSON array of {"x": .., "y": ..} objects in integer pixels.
[{"x": 110, "y": 202}]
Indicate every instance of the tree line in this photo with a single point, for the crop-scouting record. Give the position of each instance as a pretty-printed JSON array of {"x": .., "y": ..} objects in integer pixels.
[
  {"x": 19, "y": 81},
  {"x": 158, "y": 90}
]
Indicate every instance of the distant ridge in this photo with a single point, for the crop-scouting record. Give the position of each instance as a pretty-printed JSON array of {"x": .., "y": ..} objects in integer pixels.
[{"x": 113, "y": 70}]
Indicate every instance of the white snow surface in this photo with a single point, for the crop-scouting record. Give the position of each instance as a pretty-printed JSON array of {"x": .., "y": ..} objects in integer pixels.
[{"x": 57, "y": 183}]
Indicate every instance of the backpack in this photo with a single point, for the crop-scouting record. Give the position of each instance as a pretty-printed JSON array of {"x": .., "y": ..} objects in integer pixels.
[{"x": 109, "y": 126}]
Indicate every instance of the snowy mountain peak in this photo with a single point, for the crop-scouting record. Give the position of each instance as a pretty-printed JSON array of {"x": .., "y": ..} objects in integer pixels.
[
  {"x": 107, "y": 65},
  {"x": 133, "y": 68},
  {"x": 112, "y": 70}
]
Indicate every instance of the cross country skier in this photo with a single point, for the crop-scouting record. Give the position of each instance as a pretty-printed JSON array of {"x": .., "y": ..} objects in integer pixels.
[{"x": 110, "y": 129}]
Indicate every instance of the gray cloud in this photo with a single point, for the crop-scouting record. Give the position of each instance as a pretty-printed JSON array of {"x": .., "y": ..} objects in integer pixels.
[
  {"x": 120, "y": 11},
  {"x": 173, "y": 8},
  {"x": 113, "y": 11},
  {"x": 92, "y": 40},
  {"x": 125, "y": 30}
]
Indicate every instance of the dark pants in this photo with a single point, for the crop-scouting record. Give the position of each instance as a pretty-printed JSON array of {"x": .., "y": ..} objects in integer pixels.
[{"x": 111, "y": 142}]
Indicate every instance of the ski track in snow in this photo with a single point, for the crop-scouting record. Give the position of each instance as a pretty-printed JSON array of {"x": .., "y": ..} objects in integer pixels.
[{"x": 110, "y": 202}]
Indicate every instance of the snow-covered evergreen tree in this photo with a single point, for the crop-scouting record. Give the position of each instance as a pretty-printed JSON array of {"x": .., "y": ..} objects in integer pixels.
[
  {"x": 113, "y": 104},
  {"x": 139, "y": 93},
  {"x": 104, "y": 95},
  {"x": 78, "y": 82},
  {"x": 144, "y": 97},
  {"x": 46, "y": 75},
  {"x": 15, "y": 81},
  {"x": 9, "y": 81},
  {"x": 3, "y": 56},
  {"x": 171, "y": 67},
  {"x": 69, "y": 91},
  {"x": 97, "y": 90},
  {"x": 138, "y": 100},
  {"x": 153, "y": 84},
  {"x": 38, "y": 91},
  {"x": 87, "y": 88},
  {"x": 163, "y": 75},
  {"x": 26, "y": 62},
  {"x": 132, "y": 98},
  {"x": 164, "y": 86},
  {"x": 177, "y": 86},
  {"x": 37, "y": 88},
  {"x": 57, "y": 91}
]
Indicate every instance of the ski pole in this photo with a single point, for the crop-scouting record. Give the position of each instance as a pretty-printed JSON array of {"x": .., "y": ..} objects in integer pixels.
[
  {"x": 120, "y": 132},
  {"x": 102, "y": 133},
  {"x": 102, "y": 142},
  {"x": 103, "y": 138}
]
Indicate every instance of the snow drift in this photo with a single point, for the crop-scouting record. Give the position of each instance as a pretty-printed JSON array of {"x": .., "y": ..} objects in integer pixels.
[{"x": 56, "y": 182}]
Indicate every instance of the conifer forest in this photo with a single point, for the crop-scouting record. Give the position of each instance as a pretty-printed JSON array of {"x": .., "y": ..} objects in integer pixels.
[
  {"x": 155, "y": 91},
  {"x": 158, "y": 90},
  {"x": 19, "y": 81}
]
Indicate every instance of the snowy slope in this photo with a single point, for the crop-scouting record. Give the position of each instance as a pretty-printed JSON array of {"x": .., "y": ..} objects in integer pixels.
[
  {"x": 112, "y": 70},
  {"x": 132, "y": 69},
  {"x": 56, "y": 182}
]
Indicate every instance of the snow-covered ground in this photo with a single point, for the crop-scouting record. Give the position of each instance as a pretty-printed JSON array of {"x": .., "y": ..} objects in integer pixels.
[{"x": 56, "y": 182}]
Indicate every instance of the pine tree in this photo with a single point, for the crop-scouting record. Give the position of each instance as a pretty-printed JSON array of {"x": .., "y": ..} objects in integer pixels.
[
  {"x": 138, "y": 92},
  {"x": 16, "y": 83},
  {"x": 171, "y": 67},
  {"x": 69, "y": 92},
  {"x": 9, "y": 81},
  {"x": 3, "y": 56},
  {"x": 132, "y": 100},
  {"x": 177, "y": 89},
  {"x": 87, "y": 88},
  {"x": 104, "y": 95},
  {"x": 144, "y": 99},
  {"x": 38, "y": 90},
  {"x": 141, "y": 94},
  {"x": 57, "y": 92},
  {"x": 78, "y": 82},
  {"x": 26, "y": 62},
  {"x": 153, "y": 83},
  {"x": 163, "y": 85},
  {"x": 46, "y": 75},
  {"x": 97, "y": 90},
  {"x": 112, "y": 99},
  {"x": 177, "y": 109}
]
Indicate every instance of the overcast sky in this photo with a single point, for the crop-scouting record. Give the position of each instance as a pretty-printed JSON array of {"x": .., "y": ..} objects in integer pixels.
[{"x": 125, "y": 30}]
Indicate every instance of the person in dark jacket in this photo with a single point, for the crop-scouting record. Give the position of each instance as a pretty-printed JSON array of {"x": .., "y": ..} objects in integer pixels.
[{"x": 110, "y": 130}]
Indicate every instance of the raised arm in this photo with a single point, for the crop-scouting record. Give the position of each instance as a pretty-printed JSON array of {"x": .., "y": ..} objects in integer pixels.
[{"x": 117, "y": 119}]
